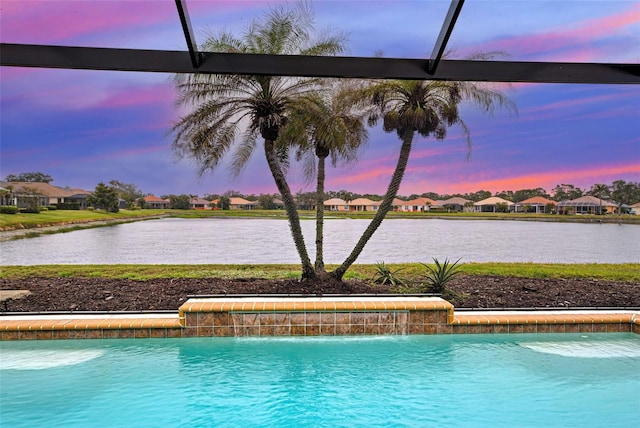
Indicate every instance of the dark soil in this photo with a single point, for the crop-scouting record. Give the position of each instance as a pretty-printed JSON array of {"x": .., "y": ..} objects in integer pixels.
[{"x": 99, "y": 294}]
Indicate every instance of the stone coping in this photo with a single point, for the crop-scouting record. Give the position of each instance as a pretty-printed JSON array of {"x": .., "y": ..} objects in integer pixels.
[
  {"x": 176, "y": 324},
  {"x": 87, "y": 316},
  {"x": 88, "y": 322},
  {"x": 320, "y": 304},
  {"x": 546, "y": 317}
]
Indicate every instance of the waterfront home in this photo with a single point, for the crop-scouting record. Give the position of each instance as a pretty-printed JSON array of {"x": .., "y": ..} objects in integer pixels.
[
  {"x": 537, "y": 204},
  {"x": 415, "y": 205},
  {"x": 237, "y": 203},
  {"x": 336, "y": 204},
  {"x": 635, "y": 209},
  {"x": 198, "y": 203},
  {"x": 154, "y": 202},
  {"x": 587, "y": 205},
  {"x": 364, "y": 204},
  {"x": 491, "y": 204},
  {"x": 455, "y": 204},
  {"x": 28, "y": 194}
]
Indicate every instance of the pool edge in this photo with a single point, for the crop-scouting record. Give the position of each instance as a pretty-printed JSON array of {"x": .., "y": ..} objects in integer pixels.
[{"x": 314, "y": 316}]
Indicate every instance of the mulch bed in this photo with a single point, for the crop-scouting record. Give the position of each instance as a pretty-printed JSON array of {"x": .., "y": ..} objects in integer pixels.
[{"x": 99, "y": 294}]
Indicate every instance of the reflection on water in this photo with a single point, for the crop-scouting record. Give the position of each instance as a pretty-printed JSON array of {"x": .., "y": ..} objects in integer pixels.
[{"x": 255, "y": 241}]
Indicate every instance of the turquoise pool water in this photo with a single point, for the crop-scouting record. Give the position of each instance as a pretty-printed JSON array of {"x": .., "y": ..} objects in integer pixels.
[{"x": 477, "y": 380}]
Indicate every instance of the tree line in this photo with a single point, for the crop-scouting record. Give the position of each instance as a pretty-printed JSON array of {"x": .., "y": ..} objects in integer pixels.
[
  {"x": 108, "y": 196},
  {"x": 619, "y": 190}
]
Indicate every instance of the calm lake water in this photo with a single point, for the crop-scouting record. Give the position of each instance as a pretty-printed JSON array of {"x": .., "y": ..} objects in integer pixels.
[{"x": 256, "y": 241}]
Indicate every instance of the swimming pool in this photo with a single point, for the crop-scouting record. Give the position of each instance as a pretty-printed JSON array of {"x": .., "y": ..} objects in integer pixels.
[{"x": 569, "y": 380}]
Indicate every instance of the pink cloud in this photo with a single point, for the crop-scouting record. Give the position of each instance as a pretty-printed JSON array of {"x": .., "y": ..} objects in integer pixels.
[
  {"x": 69, "y": 90},
  {"x": 136, "y": 96},
  {"x": 572, "y": 105},
  {"x": 576, "y": 43},
  {"x": 583, "y": 176},
  {"x": 361, "y": 176},
  {"x": 57, "y": 22},
  {"x": 61, "y": 22}
]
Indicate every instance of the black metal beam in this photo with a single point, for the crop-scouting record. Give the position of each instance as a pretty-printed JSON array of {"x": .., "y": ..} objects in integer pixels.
[
  {"x": 68, "y": 57},
  {"x": 445, "y": 32},
  {"x": 181, "y": 5}
]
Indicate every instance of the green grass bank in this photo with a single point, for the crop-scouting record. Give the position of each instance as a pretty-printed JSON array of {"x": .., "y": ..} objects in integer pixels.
[
  {"x": 65, "y": 218},
  {"x": 413, "y": 272}
]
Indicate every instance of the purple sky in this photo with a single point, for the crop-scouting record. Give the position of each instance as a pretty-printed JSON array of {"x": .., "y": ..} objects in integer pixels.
[{"x": 83, "y": 127}]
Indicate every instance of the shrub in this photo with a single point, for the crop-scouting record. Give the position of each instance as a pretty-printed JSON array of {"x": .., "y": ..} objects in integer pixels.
[
  {"x": 8, "y": 209},
  {"x": 439, "y": 276},
  {"x": 52, "y": 207},
  {"x": 502, "y": 207},
  {"x": 30, "y": 210},
  {"x": 384, "y": 275},
  {"x": 69, "y": 206}
]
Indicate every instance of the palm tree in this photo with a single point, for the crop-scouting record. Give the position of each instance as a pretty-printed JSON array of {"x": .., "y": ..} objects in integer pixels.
[
  {"x": 425, "y": 107},
  {"x": 325, "y": 125},
  {"x": 600, "y": 191},
  {"x": 228, "y": 106}
]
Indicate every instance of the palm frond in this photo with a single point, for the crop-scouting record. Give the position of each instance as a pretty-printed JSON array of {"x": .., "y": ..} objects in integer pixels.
[{"x": 243, "y": 151}]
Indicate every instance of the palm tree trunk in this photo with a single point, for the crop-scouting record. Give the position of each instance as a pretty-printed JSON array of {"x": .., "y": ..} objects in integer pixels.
[
  {"x": 319, "y": 265},
  {"x": 290, "y": 207},
  {"x": 385, "y": 206}
]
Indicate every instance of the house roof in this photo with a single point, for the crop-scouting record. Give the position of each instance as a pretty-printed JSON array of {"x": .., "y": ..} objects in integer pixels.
[
  {"x": 419, "y": 201},
  {"x": 44, "y": 189},
  {"x": 456, "y": 200},
  {"x": 200, "y": 201},
  {"x": 335, "y": 201},
  {"x": 236, "y": 200},
  {"x": 587, "y": 201},
  {"x": 493, "y": 200},
  {"x": 75, "y": 191},
  {"x": 152, "y": 198},
  {"x": 537, "y": 200},
  {"x": 364, "y": 201}
]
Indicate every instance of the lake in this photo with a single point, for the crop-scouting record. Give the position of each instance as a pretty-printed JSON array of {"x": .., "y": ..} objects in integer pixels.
[{"x": 257, "y": 241}]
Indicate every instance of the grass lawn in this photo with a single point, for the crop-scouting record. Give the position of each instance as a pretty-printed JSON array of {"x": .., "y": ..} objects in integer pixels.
[
  {"x": 57, "y": 217},
  {"x": 613, "y": 272}
]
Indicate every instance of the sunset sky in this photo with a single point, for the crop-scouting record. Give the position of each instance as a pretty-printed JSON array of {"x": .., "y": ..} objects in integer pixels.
[{"x": 83, "y": 127}]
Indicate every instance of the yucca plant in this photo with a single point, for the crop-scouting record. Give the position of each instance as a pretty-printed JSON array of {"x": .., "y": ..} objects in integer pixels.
[
  {"x": 385, "y": 275},
  {"x": 441, "y": 274}
]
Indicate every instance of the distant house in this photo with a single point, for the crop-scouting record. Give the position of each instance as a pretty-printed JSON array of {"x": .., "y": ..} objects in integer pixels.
[
  {"x": 237, "y": 203},
  {"x": 455, "y": 204},
  {"x": 537, "y": 204},
  {"x": 77, "y": 196},
  {"x": 278, "y": 204},
  {"x": 153, "y": 202},
  {"x": 416, "y": 205},
  {"x": 635, "y": 209},
  {"x": 6, "y": 198},
  {"x": 200, "y": 204},
  {"x": 363, "y": 204},
  {"x": 22, "y": 194},
  {"x": 489, "y": 205},
  {"x": 586, "y": 205},
  {"x": 336, "y": 204}
]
